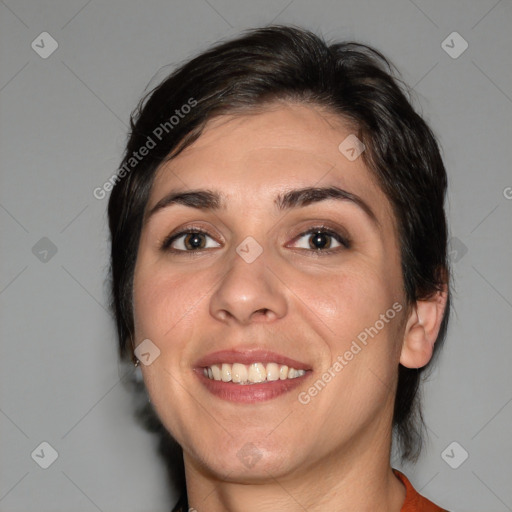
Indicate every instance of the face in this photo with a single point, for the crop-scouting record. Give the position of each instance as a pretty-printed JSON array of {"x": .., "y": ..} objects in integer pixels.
[{"x": 279, "y": 320}]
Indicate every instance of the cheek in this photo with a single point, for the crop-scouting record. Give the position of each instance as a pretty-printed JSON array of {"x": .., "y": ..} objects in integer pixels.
[
  {"x": 361, "y": 338},
  {"x": 348, "y": 301},
  {"x": 160, "y": 300}
]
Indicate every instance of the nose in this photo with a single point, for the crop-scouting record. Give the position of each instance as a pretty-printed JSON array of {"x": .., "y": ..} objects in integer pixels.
[{"x": 249, "y": 292}]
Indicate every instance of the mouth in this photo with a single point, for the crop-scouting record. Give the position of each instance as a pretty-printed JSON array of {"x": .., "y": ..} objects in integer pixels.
[
  {"x": 250, "y": 376},
  {"x": 254, "y": 373}
]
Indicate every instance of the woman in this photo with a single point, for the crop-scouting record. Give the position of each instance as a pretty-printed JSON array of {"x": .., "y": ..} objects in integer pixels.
[{"x": 279, "y": 268}]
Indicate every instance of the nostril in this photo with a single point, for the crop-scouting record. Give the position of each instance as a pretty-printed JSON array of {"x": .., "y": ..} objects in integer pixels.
[{"x": 264, "y": 312}]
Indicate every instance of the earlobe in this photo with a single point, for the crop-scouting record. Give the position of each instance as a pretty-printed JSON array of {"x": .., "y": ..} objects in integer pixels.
[{"x": 422, "y": 329}]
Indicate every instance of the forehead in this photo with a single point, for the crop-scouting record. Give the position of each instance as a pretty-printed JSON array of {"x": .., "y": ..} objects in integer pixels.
[{"x": 259, "y": 154}]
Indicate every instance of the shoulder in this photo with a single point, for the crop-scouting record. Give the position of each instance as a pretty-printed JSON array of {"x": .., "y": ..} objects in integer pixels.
[{"x": 414, "y": 502}]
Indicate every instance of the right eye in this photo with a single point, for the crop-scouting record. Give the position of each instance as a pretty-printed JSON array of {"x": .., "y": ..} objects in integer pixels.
[{"x": 191, "y": 240}]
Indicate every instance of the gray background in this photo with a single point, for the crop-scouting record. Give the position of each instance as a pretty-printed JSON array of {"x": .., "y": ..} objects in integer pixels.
[{"x": 63, "y": 125}]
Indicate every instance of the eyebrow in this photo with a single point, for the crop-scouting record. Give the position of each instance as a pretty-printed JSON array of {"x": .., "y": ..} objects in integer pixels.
[{"x": 297, "y": 198}]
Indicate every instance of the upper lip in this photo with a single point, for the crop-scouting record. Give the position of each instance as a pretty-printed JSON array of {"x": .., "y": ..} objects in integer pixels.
[{"x": 248, "y": 356}]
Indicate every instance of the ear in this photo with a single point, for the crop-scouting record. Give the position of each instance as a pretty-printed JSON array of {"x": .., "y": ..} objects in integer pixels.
[{"x": 422, "y": 329}]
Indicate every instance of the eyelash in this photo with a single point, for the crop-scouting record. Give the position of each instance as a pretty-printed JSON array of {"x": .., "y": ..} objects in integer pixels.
[{"x": 344, "y": 241}]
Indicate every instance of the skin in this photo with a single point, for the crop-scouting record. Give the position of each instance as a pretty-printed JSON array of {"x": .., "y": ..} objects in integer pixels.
[{"x": 332, "y": 453}]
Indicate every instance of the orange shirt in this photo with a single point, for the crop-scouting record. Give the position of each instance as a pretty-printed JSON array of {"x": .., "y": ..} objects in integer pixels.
[{"x": 414, "y": 502}]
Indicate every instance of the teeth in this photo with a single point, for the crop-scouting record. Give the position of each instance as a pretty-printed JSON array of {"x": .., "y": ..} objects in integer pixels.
[
  {"x": 251, "y": 374},
  {"x": 239, "y": 373},
  {"x": 257, "y": 373},
  {"x": 226, "y": 372},
  {"x": 217, "y": 373},
  {"x": 272, "y": 371}
]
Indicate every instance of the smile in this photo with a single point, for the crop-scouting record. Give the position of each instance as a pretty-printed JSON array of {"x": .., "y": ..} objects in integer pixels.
[{"x": 253, "y": 373}]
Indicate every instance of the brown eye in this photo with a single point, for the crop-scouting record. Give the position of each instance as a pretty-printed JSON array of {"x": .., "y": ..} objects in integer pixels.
[
  {"x": 321, "y": 240},
  {"x": 188, "y": 241}
]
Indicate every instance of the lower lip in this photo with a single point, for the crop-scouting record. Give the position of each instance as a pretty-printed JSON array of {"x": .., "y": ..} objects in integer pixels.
[{"x": 250, "y": 393}]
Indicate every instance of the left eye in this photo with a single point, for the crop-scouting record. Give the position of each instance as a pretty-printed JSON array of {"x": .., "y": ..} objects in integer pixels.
[{"x": 320, "y": 239}]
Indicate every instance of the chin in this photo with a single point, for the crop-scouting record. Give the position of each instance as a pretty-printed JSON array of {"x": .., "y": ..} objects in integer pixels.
[
  {"x": 249, "y": 465},
  {"x": 242, "y": 460}
]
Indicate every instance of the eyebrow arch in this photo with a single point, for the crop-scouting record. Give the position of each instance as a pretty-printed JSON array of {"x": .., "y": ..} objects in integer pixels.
[{"x": 297, "y": 198}]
